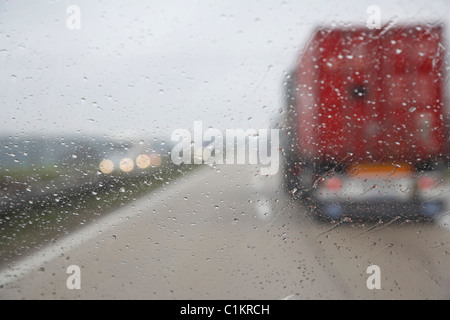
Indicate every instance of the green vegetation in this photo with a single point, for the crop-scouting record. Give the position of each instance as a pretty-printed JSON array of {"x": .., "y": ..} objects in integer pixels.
[{"x": 25, "y": 173}]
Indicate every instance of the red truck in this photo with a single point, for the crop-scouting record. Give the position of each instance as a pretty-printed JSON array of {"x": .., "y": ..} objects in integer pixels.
[{"x": 364, "y": 125}]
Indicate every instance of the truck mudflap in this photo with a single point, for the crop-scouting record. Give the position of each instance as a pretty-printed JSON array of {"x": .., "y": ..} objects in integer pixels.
[
  {"x": 370, "y": 210},
  {"x": 410, "y": 196}
]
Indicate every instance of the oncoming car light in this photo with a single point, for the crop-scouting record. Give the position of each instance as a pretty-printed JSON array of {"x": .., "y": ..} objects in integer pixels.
[
  {"x": 333, "y": 184},
  {"x": 126, "y": 165},
  {"x": 155, "y": 160},
  {"x": 106, "y": 166},
  {"x": 143, "y": 161}
]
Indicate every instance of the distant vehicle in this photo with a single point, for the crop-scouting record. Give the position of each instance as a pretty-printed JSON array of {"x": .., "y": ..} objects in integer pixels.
[{"x": 364, "y": 126}]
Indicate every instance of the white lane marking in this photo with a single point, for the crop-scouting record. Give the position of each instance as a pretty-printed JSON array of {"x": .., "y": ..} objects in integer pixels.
[
  {"x": 75, "y": 239},
  {"x": 263, "y": 209},
  {"x": 262, "y": 205},
  {"x": 32, "y": 262},
  {"x": 264, "y": 185},
  {"x": 444, "y": 221}
]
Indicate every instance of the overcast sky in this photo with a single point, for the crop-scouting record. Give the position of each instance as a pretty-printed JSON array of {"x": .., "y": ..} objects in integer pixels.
[{"x": 144, "y": 68}]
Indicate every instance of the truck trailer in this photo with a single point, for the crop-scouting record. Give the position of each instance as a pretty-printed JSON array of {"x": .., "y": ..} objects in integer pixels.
[{"x": 364, "y": 126}]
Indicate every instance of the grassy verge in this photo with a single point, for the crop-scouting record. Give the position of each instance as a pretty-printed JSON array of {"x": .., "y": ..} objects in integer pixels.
[{"x": 39, "y": 223}]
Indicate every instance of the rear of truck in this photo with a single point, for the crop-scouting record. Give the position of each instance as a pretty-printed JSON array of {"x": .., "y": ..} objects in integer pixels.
[{"x": 368, "y": 119}]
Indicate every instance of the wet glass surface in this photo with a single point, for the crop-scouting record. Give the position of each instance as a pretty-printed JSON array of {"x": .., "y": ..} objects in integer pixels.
[{"x": 224, "y": 150}]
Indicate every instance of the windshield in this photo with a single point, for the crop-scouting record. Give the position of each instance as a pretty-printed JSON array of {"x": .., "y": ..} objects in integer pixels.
[{"x": 224, "y": 150}]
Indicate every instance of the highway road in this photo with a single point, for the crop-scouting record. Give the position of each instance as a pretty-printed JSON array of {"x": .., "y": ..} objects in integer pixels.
[{"x": 230, "y": 233}]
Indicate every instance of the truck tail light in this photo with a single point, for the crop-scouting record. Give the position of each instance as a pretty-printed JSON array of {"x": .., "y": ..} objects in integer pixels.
[
  {"x": 425, "y": 183},
  {"x": 333, "y": 184}
]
